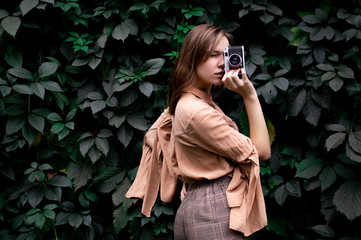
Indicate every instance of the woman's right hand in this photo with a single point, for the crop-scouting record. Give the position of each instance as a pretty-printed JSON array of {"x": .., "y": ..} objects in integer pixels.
[{"x": 243, "y": 85}]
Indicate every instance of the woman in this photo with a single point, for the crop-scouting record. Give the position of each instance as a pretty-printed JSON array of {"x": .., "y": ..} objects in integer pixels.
[{"x": 195, "y": 142}]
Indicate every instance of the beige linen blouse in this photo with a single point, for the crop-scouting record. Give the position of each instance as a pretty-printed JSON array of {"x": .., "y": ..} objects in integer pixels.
[{"x": 201, "y": 142}]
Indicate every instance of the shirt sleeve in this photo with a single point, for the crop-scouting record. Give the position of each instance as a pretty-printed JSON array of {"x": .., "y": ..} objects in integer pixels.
[{"x": 209, "y": 129}]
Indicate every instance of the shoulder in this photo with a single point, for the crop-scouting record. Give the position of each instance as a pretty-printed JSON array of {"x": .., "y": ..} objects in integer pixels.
[{"x": 192, "y": 111}]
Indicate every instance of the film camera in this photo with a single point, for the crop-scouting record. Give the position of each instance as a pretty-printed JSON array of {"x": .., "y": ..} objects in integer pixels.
[{"x": 233, "y": 57}]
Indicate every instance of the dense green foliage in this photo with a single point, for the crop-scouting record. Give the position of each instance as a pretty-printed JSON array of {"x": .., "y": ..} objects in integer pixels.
[{"x": 81, "y": 81}]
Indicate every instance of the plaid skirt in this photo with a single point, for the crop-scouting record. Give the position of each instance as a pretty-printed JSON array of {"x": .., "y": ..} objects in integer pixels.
[{"x": 204, "y": 213}]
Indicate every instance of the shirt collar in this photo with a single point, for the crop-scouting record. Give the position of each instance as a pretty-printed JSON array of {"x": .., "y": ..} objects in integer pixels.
[{"x": 201, "y": 94}]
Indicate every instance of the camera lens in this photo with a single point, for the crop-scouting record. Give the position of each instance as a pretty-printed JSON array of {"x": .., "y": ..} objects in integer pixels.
[{"x": 235, "y": 60}]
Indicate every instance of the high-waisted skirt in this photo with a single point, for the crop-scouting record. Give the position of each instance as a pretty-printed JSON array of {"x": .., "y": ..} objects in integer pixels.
[{"x": 204, "y": 213}]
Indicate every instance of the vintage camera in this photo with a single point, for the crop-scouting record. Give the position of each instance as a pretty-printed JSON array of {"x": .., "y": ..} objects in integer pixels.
[{"x": 233, "y": 58}]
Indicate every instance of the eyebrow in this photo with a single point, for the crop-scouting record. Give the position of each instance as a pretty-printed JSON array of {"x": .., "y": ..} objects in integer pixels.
[{"x": 217, "y": 51}]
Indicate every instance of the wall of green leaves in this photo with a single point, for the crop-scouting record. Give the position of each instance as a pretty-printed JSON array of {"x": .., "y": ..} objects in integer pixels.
[{"x": 81, "y": 82}]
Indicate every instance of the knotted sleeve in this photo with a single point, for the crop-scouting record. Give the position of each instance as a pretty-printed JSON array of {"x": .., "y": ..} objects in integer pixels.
[{"x": 151, "y": 171}]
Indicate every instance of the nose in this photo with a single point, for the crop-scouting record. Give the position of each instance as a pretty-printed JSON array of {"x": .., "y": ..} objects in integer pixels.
[{"x": 221, "y": 62}]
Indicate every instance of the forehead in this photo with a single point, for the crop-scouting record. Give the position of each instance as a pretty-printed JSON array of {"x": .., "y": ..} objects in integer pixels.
[{"x": 222, "y": 44}]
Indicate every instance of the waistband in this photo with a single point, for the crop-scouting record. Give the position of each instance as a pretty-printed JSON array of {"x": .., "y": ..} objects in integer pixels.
[{"x": 207, "y": 182}]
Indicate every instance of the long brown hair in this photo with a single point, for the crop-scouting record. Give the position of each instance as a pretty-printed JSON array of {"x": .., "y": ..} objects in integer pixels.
[{"x": 196, "y": 48}]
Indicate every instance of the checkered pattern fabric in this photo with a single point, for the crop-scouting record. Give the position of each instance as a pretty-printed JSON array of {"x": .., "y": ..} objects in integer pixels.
[{"x": 204, "y": 213}]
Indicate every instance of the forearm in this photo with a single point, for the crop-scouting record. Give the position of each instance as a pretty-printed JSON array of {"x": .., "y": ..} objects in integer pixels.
[{"x": 258, "y": 127}]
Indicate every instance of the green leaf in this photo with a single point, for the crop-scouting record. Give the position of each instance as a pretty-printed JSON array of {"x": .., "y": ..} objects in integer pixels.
[
  {"x": 5, "y": 90},
  {"x": 97, "y": 106},
  {"x": 63, "y": 133},
  {"x": 281, "y": 194},
  {"x": 85, "y": 145},
  {"x": 312, "y": 112},
  {"x": 317, "y": 34},
  {"x": 55, "y": 117},
  {"x": 293, "y": 188},
  {"x": 121, "y": 32},
  {"x": 329, "y": 32},
  {"x": 15, "y": 124},
  {"x": 70, "y": 125},
  {"x": 109, "y": 179},
  {"x": 327, "y": 177},
  {"x": 83, "y": 201},
  {"x": 75, "y": 220},
  {"x": 22, "y": 89},
  {"x": 94, "y": 154},
  {"x": 308, "y": 168},
  {"x": 57, "y": 127},
  {"x": 37, "y": 122},
  {"x": 70, "y": 115},
  {"x": 325, "y": 67},
  {"x": 146, "y": 88},
  {"x": 124, "y": 135},
  {"x": 91, "y": 196},
  {"x": 325, "y": 231},
  {"x": 312, "y": 19},
  {"x": 20, "y": 73},
  {"x": 51, "y": 86},
  {"x": 50, "y": 214},
  {"x": 298, "y": 102},
  {"x": 138, "y": 6},
  {"x": 102, "y": 145},
  {"x": 27, "y": 5},
  {"x": 138, "y": 121},
  {"x": 29, "y": 133},
  {"x": 153, "y": 66},
  {"x": 95, "y": 95},
  {"x": 117, "y": 120},
  {"x": 105, "y": 133},
  {"x": 39, "y": 220},
  {"x": 80, "y": 172},
  {"x": 35, "y": 196},
  {"x": 345, "y": 72},
  {"x": 47, "y": 68},
  {"x": 281, "y": 83},
  {"x": 352, "y": 154},
  {"x": 11, "y": 24},
  {"x": 336, "y": 127},
  {"x": 53, "y": 194},
  {"x": 15, "y": 110},
  {"x": 38, "y": 89},
  {"x": 45, "y": 166},
  {"x": 120, "y": 219},
  {"x": 347, "y": 199},
  {"x": 269, "y": 92},
  {"x": 327, "y": 76},
  {"x": 354, "y": 140},
  {"x": 59, "y": 181},
  {"x": 335, "y": 140},
  {"x": 3, "y": 13},
  {"x": 343, "y": 172},
  {"x": 61, "y": 100}
]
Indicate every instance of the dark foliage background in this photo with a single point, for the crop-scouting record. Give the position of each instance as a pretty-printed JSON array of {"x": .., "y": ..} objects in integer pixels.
[{"x": 81, "y": 81}]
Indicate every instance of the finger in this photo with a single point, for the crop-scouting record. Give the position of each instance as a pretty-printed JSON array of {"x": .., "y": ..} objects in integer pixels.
[
  {"x": 244, "y": 74},
  {"x": 228, "y": 80}
]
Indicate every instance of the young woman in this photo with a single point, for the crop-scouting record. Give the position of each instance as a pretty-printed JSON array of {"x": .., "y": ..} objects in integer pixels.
[{"x": 195, "y": 142}]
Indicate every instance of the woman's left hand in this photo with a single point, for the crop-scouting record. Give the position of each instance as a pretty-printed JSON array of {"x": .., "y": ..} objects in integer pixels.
[{"x": 183, "y": 192}]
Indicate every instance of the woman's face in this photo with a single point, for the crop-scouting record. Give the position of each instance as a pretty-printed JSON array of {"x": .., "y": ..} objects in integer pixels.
[{"x": 211, "y": 71}]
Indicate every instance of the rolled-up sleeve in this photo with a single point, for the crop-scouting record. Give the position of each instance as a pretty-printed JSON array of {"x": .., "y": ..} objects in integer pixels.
[{"x": 209, "y": 129}]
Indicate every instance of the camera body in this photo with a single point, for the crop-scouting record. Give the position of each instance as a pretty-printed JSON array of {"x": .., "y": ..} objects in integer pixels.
[{"x": 233, "y": 58}]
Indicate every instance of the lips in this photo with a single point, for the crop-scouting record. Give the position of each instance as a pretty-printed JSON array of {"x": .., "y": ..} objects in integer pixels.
[{"x": 220, "y": 73}]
